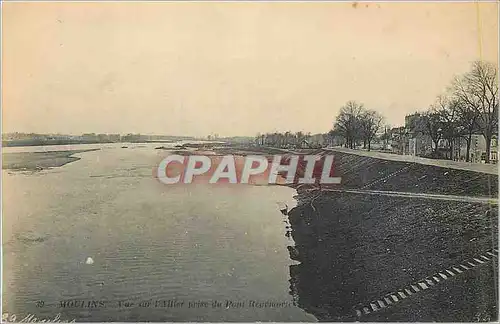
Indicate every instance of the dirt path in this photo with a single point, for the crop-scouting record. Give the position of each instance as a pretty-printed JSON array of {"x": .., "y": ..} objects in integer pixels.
[
  {"x": 476, "y": 167},
  {"x": 483, "y": 200}
]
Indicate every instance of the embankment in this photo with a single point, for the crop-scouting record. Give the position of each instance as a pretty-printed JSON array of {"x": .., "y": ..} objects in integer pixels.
[
  {"x": 374, "y": 173},
  {"x": 355, "y": 248}
]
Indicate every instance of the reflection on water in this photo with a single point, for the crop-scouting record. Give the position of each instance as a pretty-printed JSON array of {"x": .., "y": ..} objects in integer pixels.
[{"x": 152, "y": 246}]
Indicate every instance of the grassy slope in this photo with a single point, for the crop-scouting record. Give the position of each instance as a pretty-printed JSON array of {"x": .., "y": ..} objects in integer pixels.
[{"x": 354, "y": 248}]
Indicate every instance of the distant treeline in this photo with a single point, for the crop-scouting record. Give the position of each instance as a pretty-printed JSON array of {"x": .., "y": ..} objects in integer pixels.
[
  {"x": 34, "y": 139},
  {"x": 39, "y": 142},
  {"x": 62, "y": 141}
]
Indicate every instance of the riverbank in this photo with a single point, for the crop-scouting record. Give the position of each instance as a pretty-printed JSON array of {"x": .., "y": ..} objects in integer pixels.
[
  {"x": 457, "y": 165},
  {"x": 354, "y": 249},
  {"x": 35, "y": 161},
  {"x": 353, "y": 245},
  {"x": 356, "y": 246},
  {"x": 366, "y": 171}
]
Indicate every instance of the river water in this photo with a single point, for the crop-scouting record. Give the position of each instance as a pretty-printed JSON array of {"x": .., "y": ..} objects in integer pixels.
[{"x": 153, "y": 246}]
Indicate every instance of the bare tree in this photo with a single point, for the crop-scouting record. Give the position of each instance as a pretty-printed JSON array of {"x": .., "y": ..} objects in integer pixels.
[
  {"x": 448, "y": 112},
  {"x": 386, "y": 136},
  {"x": 467, "y": 120},
  {"x": 300, "y": 137},
  {"x": 370, "y": 122},
  {"x": 347, "y": 122},
  {"x": 258, "y": 139},
  {"x": 478, "y": 89},
  {"x": 433, "y": 127},
  {"x": 288, "y": 136}
]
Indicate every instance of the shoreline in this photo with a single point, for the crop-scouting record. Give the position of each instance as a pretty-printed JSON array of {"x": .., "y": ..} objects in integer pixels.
[
  {"x": 353, "y": 245},
  {"x": 457, "y": 165},
  {"x": 37, "y": 161},
  {"x": 364, "y": 171}
]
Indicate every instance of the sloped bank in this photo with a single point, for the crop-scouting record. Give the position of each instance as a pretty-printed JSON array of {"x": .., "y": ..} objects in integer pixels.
[
  {"x": 365, "y": 172},
  {"x": 354, "y": 248}
]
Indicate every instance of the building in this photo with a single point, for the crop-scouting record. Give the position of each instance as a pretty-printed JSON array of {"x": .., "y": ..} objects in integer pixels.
[
  {"x": 413, "y": 139},
  {"x": 477, "y": 152},
  {"x": 399, "y": 140},
  {"x": 419, "y": 143}
]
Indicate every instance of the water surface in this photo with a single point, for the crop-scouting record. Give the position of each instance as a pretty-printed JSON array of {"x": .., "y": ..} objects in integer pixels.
[{"x": 148, "y": 241}]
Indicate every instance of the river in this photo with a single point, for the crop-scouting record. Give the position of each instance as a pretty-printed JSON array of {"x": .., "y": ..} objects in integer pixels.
[{"x": 153, "y": 246}]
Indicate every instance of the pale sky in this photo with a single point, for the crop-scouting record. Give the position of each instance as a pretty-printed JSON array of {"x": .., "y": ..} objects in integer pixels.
[{"x": 230, "y": 68}]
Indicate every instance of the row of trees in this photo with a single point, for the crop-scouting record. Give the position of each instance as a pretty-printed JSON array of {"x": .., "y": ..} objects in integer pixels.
[
  {"x": 282, "y": 139},
  {"x": 357, "y": 124},
  {"x": 468, "y": 106}
]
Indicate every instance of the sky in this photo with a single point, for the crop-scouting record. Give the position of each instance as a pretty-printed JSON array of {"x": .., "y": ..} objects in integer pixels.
[{"x": 231, "y": 68}]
